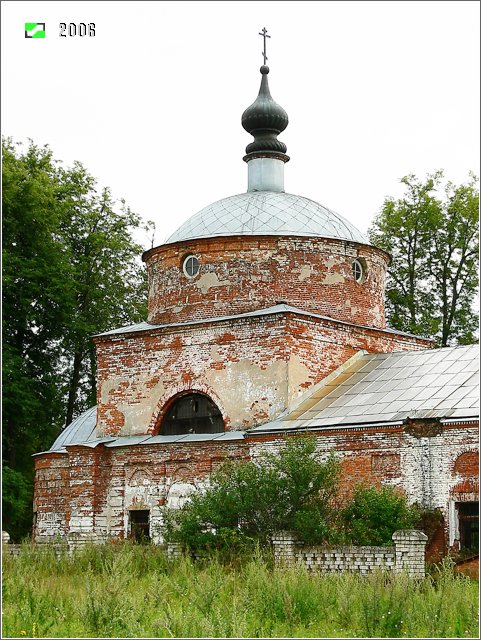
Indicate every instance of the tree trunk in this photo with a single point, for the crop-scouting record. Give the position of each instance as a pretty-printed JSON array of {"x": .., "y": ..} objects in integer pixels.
[
  {"x": 73, "y": 386},
  {"x": 92, "y": 397},
  {"x": 9, "y": 443}
]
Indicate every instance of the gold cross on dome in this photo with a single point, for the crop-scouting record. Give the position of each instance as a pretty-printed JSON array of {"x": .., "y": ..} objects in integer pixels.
[{"x": 263, "y": 33}]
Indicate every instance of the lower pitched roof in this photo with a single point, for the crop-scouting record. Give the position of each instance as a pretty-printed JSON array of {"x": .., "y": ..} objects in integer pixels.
[{"x": 390, "y": 388}]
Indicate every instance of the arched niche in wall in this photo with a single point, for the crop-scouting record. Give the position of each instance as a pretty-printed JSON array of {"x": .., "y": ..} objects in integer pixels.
[{"x": 191, "y": 413}]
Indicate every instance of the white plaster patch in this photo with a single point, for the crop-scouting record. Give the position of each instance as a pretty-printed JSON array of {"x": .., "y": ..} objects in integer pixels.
[
  {"x": 209, "y": 280},
  {"x": 332, "y": 262},
  {"x": 297, "y": 373},
  {"x": 110, "y": 385},
  {"x": 137, "y": 497},
  {"x": 215, "y": 354},
  {"x": 377, "y": 314},
  {"x": 352, "y": 308},
  {"x": 249, "y": 394},
  {"x": 139, "y": 478},
  {"x": 138, "y": 413},
  {"x": 178, "y": 494},
  {"x": 333, "y": 278},
  {"x": 306, "y": 271}
]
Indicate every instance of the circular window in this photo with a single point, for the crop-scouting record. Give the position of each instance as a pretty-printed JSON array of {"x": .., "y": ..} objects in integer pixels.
[
  {"x": 191, "y": 266},
  {"x": 358, "y": 271}
]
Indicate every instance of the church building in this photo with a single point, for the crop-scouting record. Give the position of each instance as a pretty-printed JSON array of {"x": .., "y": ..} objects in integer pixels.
[{"x": 265, "y": 320}]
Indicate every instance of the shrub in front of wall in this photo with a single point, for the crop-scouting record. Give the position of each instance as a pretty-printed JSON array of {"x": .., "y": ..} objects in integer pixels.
[
  {"x": 246, "y": 503},
  {"x": 373, "y": 514}
]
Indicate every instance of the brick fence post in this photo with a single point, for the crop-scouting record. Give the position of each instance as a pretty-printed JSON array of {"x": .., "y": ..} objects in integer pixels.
[
  {"x": 284, "y": 546},
  {"x": 174, "y": 550},
  {"x": 410, "y": 546}
]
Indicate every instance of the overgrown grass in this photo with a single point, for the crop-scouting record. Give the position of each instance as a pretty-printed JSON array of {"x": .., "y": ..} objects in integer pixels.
[{"x": 129, "y": 591}]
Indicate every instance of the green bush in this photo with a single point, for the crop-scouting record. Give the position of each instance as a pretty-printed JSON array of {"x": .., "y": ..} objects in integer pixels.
[
  {"x": 373, "y": 515},
  {"x": 247, "y": 502}
]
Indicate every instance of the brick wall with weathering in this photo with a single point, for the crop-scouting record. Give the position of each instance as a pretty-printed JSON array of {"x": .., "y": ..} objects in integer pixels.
[
  {"x": 51, "y": 504},
  {"x": 252, "y": 368},
  {"x": 462, "y": 493},
  {"x": 406, "y": 554},
  {"x": 98, "y": 488},
  {"x": 245, "y": 273},
  {"x": 421, "y": 459},
  {"x": 103, "y": 485}
]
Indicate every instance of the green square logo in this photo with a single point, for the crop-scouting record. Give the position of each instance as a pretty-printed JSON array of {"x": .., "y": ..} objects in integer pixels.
[{"x": 35, "y": 29}]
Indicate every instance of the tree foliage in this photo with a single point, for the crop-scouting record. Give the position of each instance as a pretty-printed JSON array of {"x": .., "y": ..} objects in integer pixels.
[
  {"x": 107, "y": 284},
  {"x": 70, "y": 269},
  {"x": 373, "y": 514},
  {"x": 248, "y": 501},
  {"x": 432, "y": 234}
]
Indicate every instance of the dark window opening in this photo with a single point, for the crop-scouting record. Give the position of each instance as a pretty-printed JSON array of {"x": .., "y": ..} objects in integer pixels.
[
  {"x": 468, "y": 513},
  {"x": 192, "y": 413},
  {"x": 139, "y": 525}
]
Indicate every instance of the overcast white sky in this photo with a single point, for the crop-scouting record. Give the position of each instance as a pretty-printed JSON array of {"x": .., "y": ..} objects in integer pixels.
[{"x": 152, "y": 104}]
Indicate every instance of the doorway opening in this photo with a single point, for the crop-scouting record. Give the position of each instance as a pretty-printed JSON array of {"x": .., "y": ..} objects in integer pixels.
[
  {"x": 468, "y": 514},
  {"x": 139, "y": 525}
]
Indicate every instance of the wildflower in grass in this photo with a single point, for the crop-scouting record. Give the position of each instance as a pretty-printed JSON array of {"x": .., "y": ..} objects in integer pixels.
[{"x": 23, "y": 632}]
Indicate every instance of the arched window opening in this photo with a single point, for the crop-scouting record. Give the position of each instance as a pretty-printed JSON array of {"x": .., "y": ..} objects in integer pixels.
[{"x": 192, "y": 413}]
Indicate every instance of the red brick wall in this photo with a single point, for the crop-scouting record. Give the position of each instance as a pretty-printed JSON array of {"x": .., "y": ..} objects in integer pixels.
[
  {"x": 99, "y": 486},
  {"x": 51, "y": 504},
  {"x": 468, "y": 568},
  {"x": 245, "y": 273},
  {"x": 436, "y": 547},
  {"x": 251, "y": 367}
]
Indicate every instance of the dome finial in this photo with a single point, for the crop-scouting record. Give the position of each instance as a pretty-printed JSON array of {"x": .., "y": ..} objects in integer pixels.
[
  {"x": 265, "y": 120},
  {"x": 263, "y": 33}
]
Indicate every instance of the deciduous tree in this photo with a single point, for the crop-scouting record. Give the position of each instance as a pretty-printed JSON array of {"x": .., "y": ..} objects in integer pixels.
[
  {"x": 71, "y": 268},
  {"x": 107, "y": 284},
  {"x": 432, "y": 236}
]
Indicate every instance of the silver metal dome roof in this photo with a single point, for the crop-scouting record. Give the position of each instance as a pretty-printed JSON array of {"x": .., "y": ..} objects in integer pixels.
[
  {"x": 267, "y": 213},
  {"x": 82, "y": 429}
]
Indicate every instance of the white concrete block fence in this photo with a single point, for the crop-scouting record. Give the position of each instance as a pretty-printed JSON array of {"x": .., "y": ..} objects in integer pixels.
[{"x": 407, "y": 554}]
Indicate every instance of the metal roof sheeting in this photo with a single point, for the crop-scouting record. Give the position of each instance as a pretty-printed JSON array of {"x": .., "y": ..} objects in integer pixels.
[
  {"x": 82, "y": 432},
  {"x": 82, "y": 429},
  {"x": 267, "y": 213},
  {"x": 278, "y": 308},
  {"x": 389, "y": 388}
]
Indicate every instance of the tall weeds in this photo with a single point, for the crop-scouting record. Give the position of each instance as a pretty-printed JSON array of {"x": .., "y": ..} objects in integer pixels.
[{"x": 129, "y": 591}]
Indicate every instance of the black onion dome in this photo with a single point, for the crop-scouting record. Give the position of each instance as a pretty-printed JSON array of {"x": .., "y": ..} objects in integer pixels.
[{"x": 265, "y": 119}]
